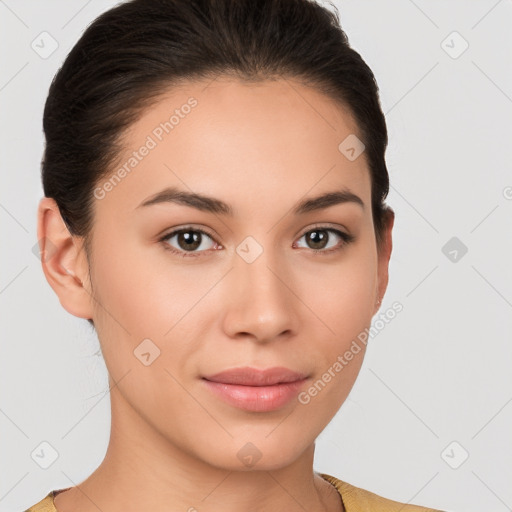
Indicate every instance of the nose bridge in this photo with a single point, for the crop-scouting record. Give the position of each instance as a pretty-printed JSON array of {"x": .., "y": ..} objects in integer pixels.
[{"x": 262, "y": 304}]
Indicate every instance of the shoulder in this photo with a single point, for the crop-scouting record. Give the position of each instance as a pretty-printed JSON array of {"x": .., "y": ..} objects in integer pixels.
[
  {"x": 356, "y": 499},
  {"x": 45, "y": 505}
]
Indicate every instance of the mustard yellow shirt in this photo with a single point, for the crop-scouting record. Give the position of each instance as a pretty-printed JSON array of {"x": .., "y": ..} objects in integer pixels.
[{"x": 354, "y": 499}]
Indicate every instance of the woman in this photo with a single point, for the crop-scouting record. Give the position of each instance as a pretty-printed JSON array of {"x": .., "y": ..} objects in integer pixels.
[{"x": 214, "y": 182}]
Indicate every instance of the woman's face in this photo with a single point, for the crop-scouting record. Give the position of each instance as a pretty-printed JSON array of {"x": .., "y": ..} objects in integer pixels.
[{"x": 248, "y": 292}]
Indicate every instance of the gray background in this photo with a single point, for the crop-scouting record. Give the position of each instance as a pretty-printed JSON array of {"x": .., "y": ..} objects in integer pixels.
[{"x": 439, "y": 373}]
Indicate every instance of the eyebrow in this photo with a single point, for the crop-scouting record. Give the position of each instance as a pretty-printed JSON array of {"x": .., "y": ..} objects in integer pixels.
[{"x": 217, "y": 206}]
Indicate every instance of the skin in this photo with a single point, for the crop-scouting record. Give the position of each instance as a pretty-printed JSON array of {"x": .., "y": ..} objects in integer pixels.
[{"x": 260, "y": 148}]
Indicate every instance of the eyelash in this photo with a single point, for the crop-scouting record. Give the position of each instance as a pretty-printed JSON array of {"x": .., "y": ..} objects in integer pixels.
[{"x": 347, "y": 239}]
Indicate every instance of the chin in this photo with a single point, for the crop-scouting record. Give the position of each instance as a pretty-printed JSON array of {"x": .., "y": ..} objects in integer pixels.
[{"x": 257, "y": 452}]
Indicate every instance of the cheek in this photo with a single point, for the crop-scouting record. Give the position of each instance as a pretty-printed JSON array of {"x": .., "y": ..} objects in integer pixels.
[
  {"x": 341, "y": 296},
  {"x": 140, "y": 311},
  {"x": 137, "y": 290},
  {"x": 142, "y": 295},
  {"x": 342, "y": 301}
]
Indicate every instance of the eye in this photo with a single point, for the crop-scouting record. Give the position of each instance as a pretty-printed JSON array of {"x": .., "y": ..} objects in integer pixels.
[
  {"x": 194, "y": 242},
  {"x": 319, "y": 239},
  {"x": 188, "y": 240}
]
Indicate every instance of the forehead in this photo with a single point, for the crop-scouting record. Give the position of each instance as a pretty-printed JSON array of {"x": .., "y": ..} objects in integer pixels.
[{"x": 232, "y": 138}]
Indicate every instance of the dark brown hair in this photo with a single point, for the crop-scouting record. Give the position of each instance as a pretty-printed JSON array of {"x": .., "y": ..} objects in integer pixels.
[{"x": 137, "y": 50}]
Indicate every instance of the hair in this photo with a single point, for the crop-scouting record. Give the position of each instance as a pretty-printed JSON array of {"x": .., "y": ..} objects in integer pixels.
[{"x": 133, "y": 53}]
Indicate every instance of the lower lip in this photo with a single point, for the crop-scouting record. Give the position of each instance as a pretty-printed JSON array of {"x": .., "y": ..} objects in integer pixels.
[{"x": 256, "y": 398}]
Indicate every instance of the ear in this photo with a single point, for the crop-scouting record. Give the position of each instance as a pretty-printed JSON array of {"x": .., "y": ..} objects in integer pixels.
[
  {"x": 384, "y": 254},
  {"x": 63, "y": 260}
]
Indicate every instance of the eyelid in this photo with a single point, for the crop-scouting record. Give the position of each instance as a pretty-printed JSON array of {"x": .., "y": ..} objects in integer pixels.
[
  {"x": 326, "y": 226},
  {"x": 191, "y": 227}
]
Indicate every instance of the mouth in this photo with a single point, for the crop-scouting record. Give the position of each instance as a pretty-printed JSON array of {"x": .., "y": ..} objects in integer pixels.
[
  {"x": 247, "y": 376},
  {"x": 256, "y": 390}
]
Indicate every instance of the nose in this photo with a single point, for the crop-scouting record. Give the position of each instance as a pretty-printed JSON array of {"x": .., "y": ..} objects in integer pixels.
[{"x": 260, "y": 302}]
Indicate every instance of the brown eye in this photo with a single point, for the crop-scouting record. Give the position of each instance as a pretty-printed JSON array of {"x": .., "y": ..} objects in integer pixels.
[
  {"x": 188, "y": 240},
  {"x": 323, "y": 239}
]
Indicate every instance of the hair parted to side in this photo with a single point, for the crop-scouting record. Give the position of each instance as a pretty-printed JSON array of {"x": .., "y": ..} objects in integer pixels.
[{"x": 134, "y": 52}]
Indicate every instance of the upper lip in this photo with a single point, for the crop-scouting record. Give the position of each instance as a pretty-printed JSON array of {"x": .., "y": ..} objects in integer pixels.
[{"x": 255, "y": 377}]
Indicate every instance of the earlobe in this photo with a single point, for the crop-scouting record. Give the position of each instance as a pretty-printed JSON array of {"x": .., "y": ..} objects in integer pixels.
[{"x": 63, "y": 260}]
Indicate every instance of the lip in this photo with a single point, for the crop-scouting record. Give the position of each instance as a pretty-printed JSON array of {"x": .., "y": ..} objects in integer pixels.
[
  {"x": 256, "y": 390},
  {"x": 247, "y": 376}
]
